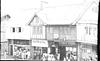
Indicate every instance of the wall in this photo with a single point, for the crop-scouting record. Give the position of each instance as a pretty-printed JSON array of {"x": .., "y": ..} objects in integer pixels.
[
  {"x": 87, "y": 33},
  {"x": 38, "y": 33},
  {"x": 24, "y": 34},
  {"x": 3, "y": 31},
  {"x": 61, "y": 32}
]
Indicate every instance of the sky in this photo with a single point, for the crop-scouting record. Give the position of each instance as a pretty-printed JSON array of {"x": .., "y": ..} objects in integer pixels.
[
  {"x": 19, "y": 8},
  {"x": 13, "y": 5},
  {"x": 22, "y": 11}
]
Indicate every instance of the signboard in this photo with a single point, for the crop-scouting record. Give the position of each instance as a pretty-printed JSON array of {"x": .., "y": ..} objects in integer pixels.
[
  {"x": 68, "y": 44},
  {"x": 40, "y": 43},
  {"x": 56, "y": 36}
]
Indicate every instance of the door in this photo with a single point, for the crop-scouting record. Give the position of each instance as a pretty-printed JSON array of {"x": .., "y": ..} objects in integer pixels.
[{"x": 11, "y": 49}]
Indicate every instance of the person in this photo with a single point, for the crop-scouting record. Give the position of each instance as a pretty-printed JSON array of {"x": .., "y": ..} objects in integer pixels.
[
  {"x": 17, "y": 54},
  {"x": 44, "y": 58},
  {"x": 23, "y": 54},
  {"x": 5, "y": 54},
  {"x": 28, "y": 54},
  {"x": 20, "y": 53},
  {"x": 53, "y": 58}
]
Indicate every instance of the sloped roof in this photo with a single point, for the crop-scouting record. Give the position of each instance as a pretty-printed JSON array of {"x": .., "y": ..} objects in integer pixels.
[
  {"x": 69, "y": 14},
  {"x": 60, "y": 15},
  {"x": 91, "y": 15},
  {"x": 36, "y": 21}
]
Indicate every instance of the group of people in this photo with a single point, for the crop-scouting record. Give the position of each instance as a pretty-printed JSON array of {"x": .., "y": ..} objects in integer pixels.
[
  {"x": 56, "y": 57},
  {"x": 22, "y": 53}
]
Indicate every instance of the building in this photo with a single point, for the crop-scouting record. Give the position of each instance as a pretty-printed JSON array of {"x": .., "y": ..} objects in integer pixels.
[
  {"x": 87, "y": 41},
  {"x": 18, "y": 34},
  {"x": 3, "y": 40},
  {"x": 87, "y": 33},
  {"x": 82, "y": 35},
  {"x": 48, "y": 32}
]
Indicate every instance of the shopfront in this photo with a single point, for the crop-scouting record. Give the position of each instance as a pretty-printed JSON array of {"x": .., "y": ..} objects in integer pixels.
[
  {"x": 15, "y": 46},
  {"x": 63, "y": 50},
  {"x": 38, "y": 48},
  {"x": 70, "y": 49},
  {"x": 87, "y": 52}
]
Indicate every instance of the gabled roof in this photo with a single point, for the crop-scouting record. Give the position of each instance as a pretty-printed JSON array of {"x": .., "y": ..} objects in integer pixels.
[
  {"x": 66, "y": 14},
  {"x": 60, "y": 15},
  {"x": 91, "y": 15},
  {"x": 36, "y": 21}
]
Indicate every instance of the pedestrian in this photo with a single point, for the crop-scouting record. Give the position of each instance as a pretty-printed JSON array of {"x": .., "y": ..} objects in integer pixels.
[
  {"x": 28, "y": 54},
  {"x": 44, "y": 57},
  {"x": 23, "y": 54},
  {"x": 5, "y": 54},
  {"x": 17, "y": 54},
  {"x": 20, "y": 53}
]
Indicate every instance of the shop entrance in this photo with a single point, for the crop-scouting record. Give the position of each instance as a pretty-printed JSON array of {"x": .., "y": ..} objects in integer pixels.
[
  {"x": 11, "y": 49},
  {"x": 37, "y": 52},
  {"x": 68, "y": 51}
]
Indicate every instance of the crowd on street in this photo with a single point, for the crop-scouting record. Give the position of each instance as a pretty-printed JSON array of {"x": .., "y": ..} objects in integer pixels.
[{"x": 22, "y": 54}]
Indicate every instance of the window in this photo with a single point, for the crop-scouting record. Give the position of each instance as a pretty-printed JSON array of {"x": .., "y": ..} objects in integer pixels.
[
  {"x": 86, "y": 28},
  {"x": 13, "y": 29},
  {"x": 89, "y": 30},
  {"x": 19, "y": 29},
  {"x": 37, "y": 30},
  {"x": 16, "y": 29}
]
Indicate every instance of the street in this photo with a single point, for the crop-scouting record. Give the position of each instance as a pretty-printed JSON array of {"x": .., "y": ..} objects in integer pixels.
[{"x": 7, "y": 58}]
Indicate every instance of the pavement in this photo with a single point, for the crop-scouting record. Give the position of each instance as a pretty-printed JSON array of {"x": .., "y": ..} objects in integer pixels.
[{"x": 7, "y": 57}]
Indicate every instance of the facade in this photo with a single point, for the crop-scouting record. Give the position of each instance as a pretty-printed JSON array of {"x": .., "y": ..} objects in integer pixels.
[
  {"x": 87, "y": 34},
  {"x": 3, "y": 40},
  {"x": 87, "y": 41},
  {"x": 62, "y": 41},
  {"x": 53, "y": 40},
  {"x": 19, "y": 38}
]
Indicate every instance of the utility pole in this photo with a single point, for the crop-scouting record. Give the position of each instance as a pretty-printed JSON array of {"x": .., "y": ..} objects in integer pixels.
[{"x": 41, "y": 6}]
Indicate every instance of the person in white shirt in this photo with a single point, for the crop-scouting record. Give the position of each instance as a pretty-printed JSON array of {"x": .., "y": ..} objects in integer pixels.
[
  {"x": 23, "y": 54},
  {"x": 5, "y": 54},
  {"x": 28, "y": 54}
]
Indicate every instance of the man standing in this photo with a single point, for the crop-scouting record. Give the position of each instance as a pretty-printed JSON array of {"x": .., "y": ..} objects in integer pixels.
[{"x": 5, "y": 54}]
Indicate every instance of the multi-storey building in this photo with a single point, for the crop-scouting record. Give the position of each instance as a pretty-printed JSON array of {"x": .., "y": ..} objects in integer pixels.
[
  {"x": 87, "y": 33},
  {"x": 47, "y": 36}
]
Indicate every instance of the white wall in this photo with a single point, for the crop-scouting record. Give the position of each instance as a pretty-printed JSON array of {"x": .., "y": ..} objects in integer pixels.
[
  {"x": 24, "y": 34},
  {"x": 38, "y": 36},
  {"x": 86, "y": 38}
]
